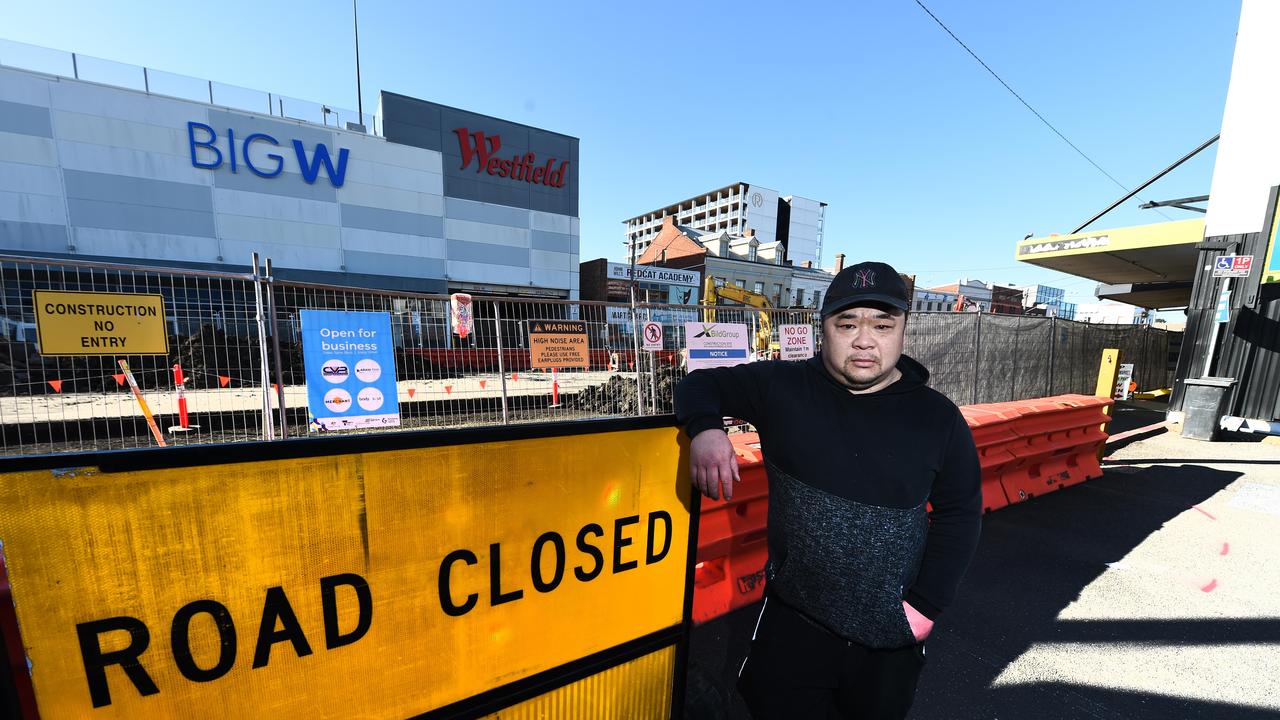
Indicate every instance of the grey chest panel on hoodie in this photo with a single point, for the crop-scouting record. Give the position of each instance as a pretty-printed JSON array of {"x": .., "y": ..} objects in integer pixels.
[{"x": 842, "y": 563}]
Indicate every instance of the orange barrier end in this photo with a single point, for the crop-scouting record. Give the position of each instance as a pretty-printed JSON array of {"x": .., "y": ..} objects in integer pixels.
[{"x": 732, "y": 539}]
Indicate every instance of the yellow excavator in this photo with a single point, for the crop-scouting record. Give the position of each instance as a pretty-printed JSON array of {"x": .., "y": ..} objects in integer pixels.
[{"x": 711, "y": 294}]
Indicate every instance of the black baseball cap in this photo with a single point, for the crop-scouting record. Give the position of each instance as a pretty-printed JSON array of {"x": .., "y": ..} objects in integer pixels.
[{"x": 874, "y": 282}]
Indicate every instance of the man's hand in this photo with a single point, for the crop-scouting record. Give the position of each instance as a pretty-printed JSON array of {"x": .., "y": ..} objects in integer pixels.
[
  {"x": 921, "y": 626},
  {"x": 713, "y": 463}
]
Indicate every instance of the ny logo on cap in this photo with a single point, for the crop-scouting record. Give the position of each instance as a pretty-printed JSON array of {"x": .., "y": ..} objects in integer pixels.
[{"x": 864, "y": 279}]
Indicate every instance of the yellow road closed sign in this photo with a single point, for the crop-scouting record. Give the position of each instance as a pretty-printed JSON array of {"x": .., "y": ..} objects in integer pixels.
[
  {"x": 78, "y": 323},
  {"x": 363, "y": 584}
]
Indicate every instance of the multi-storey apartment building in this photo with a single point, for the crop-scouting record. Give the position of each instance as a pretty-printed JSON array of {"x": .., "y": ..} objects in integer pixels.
[{"x": 795, "y": 222}]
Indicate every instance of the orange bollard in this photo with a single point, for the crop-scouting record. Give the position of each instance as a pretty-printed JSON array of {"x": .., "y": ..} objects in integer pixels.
[{"x": 184, "y": 421}]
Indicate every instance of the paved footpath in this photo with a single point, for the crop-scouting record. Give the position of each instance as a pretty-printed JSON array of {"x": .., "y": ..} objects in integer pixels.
[{"x": 1152, "y": 592}]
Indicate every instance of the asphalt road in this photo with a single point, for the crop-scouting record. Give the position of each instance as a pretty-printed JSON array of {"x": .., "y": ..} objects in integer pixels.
[{"x": 1152, "y": 592}]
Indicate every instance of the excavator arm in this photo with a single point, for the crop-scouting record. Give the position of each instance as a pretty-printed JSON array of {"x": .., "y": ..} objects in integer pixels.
[{"x": 712, "y": 293}]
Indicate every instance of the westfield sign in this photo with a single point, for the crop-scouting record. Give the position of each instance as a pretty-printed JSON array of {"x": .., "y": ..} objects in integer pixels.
[{"x": 483, "y": 149}]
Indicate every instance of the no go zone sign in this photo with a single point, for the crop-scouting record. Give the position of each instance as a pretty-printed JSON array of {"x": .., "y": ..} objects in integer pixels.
[{"x": 797, "y": 341}]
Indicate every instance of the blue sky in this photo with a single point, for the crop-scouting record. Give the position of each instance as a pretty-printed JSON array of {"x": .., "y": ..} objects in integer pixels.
[{"x": 925, "y": 161}]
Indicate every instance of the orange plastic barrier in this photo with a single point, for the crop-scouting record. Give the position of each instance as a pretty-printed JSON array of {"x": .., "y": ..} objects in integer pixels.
[
  {"x": 732, "y": 549},
  {"x": 1038, "y": 445},
  {"x": 1026, "y": 448},
  {"x": 993, "y": 435}
]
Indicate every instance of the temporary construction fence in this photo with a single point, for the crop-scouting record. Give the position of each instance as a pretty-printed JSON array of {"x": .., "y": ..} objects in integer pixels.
[{"x": 237, "y": 341}]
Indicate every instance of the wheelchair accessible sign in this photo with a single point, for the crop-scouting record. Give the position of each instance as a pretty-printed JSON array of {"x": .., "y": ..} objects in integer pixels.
[{"x": 351, "y": 369}]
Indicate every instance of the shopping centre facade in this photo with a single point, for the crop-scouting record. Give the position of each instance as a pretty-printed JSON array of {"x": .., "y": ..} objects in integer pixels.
[{"x": 436, "y": 200}]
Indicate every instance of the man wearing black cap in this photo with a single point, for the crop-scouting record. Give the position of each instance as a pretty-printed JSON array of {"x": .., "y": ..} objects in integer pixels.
[{"x": 855, "y": 444}]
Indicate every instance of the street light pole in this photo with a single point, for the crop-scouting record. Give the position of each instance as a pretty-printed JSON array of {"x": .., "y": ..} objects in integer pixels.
[{"x": 355, "y": 21}]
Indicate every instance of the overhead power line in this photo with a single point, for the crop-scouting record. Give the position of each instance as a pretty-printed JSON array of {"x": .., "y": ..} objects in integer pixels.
[{"x": 1026, "y": 104}]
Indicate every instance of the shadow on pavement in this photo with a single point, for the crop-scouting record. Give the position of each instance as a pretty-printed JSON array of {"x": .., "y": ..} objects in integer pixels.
[
  {"x": 1034, "y": 559},
  {"x": 1126, "y": 417}
]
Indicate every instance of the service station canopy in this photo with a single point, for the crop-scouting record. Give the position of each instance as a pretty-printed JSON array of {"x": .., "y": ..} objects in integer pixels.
[{"x": 1150, "y": 266}]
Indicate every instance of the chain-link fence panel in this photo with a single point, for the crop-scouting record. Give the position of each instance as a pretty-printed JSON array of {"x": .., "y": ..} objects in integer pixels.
[
  {"x": 233, "y": 368},
  {"x": 52, "y": 400}
]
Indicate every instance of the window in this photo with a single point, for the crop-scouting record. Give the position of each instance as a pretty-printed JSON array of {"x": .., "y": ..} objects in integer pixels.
[
  {"x": 751, "y": 252},
  {"x": 758, "y": 288},
  {"x": 741, "y": 283},
  {"x": 817, "y": 298},
  {"x": 777, "y": 294},
  {"x": 724, "y": 247},
  {"x": 800, "y": 296}
]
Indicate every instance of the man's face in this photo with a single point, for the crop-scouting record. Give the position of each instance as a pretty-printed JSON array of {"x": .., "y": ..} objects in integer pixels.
[{"x": 861, "y": 345}]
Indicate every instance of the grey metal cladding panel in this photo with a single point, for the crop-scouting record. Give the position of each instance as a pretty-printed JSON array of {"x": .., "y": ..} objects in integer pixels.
[
  {"x": 555, "y": 145},
  {"x": 286, "y": 184},
  {"x": 16, "y": 235},
  {"x": 396, "y": 265},
  {"x": 470, "y": 189},
  {"x": 404, "y": 110},
  {"x": 407, "y": 134},
  {"x": 486, "y": 253},
  {"x": 553, "y": 202},
  {"x": 556, "y": 242},
  {"x": 283, "y": 132},
  {"x": 141, "y": 218},
  {"x": 137, "y": 191},
  {"x": 514, "y": 135},
  {"x": 25, "y": 119},
  {"x": 514, "y": 194},
  {"x": 396, "y": 221},
  {"x": 462, "y": 209}
]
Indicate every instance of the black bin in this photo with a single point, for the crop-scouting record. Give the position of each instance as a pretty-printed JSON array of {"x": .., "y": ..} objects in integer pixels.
[{"x": 1204, "y": 405}]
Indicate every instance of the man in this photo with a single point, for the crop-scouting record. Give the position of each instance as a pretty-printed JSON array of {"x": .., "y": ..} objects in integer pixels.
[{"x": 855, "y": 444}]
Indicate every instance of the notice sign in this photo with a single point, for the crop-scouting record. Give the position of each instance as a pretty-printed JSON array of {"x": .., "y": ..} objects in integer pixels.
[
  {"x": 797, "y": 341},
  {"x": 715, "y": 344},
  {"x": 76, "y": 323},
  {"x": 1232, "y": 266},
  {"x": 558, "y": 344},
  {"x": 351, "y": 369},
  {"x": 653, "y": 335}
]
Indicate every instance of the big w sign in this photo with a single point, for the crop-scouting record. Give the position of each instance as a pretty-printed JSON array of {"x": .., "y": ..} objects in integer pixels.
[{"x": 205, "y": 153}]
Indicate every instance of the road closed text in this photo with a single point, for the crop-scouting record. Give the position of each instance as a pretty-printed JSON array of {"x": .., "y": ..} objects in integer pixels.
[{"x": 206, "y": 641}]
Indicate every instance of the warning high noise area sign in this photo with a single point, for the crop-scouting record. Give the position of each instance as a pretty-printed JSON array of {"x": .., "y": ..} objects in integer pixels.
[{"x": 559, "y": 344}]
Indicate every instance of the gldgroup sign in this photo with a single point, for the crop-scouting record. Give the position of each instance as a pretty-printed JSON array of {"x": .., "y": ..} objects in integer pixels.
[{"x": 370, "y": 584}]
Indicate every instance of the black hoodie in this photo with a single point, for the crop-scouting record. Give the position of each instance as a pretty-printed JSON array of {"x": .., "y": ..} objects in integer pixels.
[{"x": 849, "y": 476}]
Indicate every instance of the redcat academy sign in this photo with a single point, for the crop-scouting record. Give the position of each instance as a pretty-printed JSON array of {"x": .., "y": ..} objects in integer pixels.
[{"x": 487, "y": 159}]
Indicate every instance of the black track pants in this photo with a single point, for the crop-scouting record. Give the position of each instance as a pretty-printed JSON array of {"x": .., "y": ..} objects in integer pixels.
[{"x": 799, "y": 670}]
